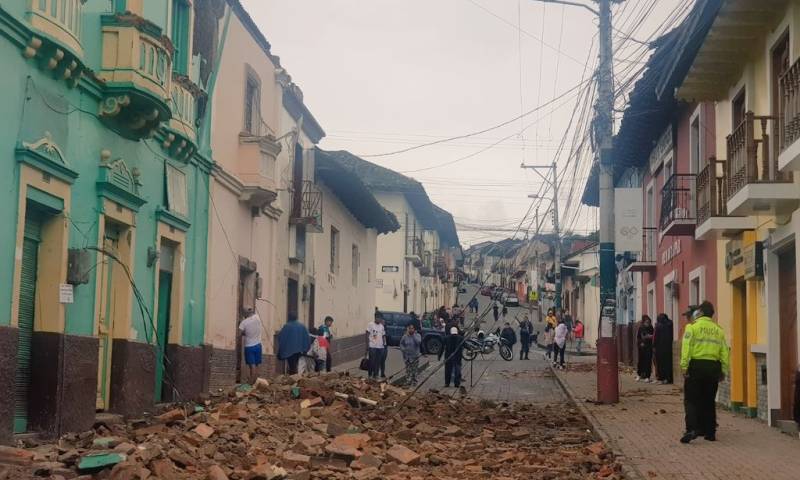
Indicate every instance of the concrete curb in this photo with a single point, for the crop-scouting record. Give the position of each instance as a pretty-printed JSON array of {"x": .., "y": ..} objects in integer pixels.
[{"x": 630, "y": 471}]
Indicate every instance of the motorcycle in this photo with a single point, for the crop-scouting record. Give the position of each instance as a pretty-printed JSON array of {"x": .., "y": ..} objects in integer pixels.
[{"x": 485, "y": 345}]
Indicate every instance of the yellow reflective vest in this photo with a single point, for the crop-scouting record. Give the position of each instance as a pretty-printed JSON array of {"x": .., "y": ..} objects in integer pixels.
[{"x": 705, "y": 340}]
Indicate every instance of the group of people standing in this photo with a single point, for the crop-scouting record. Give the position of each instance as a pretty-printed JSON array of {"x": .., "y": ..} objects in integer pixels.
[
  {"x": 704, "y": 362},
  {"x": 556, "y": 333},
  {"x": 300, "y": 349},
  {"x": 654, "y": 343}
]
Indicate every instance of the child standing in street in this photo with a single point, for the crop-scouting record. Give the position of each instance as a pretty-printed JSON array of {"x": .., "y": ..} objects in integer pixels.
[{"x": 410, "y": 347}]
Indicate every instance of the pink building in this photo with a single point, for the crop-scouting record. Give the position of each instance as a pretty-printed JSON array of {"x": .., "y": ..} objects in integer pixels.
[{"x": 676, "y": 269}]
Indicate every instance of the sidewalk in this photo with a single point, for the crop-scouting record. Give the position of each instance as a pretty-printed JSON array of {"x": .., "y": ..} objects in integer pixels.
[{"x": 645, "y": 426}]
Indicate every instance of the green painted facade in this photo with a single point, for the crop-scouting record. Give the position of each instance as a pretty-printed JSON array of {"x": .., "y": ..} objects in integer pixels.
[{"x": 39, "y": 102}]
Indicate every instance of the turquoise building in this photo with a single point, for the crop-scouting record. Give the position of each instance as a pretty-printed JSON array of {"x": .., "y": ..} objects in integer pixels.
[{"x": 105, "y": 209}]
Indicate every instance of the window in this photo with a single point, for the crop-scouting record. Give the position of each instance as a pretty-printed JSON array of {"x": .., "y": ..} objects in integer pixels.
[
  {"x": 180, "y": 36},
  {"x": 300, "y": 243},
  {"x": 176, "y": 191},
  {"x": 650, "y": 208},
  {"x": 356, "y": 263},
  {"x": 669, "y": 169},
  {"x": 696, "y": 161},
  {"x": 334, "y": 250},
  {"x": 697, "y": 286},
  {"x": 739, "y": 108},
  {"x": 252, "y": 104},
  {"x": 651, "y": 299}
]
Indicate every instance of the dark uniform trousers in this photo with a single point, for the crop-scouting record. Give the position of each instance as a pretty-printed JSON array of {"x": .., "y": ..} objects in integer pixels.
[{"x": 700, "y": 393}]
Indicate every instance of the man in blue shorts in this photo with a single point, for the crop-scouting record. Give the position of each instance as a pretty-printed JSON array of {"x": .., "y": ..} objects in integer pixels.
[{"x": 250, "y": 328}]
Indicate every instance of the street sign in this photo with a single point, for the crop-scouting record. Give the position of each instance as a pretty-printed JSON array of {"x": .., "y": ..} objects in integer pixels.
[
  {"x": 65, "y": 293},
  {"x": 390, "y": 269}
]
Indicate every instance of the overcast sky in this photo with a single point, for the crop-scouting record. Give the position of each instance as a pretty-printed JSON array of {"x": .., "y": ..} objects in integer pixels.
[{"x": 383, "y": 75}]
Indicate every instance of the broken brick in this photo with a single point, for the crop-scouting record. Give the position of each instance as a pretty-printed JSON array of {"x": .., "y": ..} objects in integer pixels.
[{"x": 403, "y": 454}]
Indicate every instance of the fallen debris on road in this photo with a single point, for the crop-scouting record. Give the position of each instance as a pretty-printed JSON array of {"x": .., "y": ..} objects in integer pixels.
[{"x": 336, "y": 427}]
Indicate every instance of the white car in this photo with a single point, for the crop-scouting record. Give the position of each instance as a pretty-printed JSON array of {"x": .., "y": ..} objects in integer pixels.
[{"x": 509, "y": 299}]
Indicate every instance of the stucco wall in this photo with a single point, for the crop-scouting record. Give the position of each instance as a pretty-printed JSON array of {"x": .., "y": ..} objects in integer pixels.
[
  {"x": 264, "y": 239},
  {"x": 695, "y": 255},
  {"x": 391, "y": 253},
  {"x": 351, "y": 306}
]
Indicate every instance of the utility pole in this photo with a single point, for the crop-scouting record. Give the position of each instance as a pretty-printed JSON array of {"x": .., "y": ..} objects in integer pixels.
[
  {"x": 607, "y": 361},
  {"x": 554, "y": 184}
]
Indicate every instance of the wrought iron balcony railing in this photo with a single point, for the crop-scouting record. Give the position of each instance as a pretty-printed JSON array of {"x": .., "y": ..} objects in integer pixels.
[
  {"x": 307, "y": 208},
  {"x": 677, "y": 200}
]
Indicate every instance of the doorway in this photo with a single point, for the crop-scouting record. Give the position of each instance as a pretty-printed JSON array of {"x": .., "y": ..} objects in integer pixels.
[
  {"x": 247, "y": 302},
  {"x": 27, "y": 312},
  {"x": 312, "y": 293},
  {"x": 108, "y": 308},
  {"x": 164, "y": 320},
  {"x": 787, "y": 283},
  {"x": 740, "y": 350},
  {"x": 292, "y": 299}
]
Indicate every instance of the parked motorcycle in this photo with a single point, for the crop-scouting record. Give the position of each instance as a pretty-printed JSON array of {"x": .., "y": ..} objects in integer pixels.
[{"x": 485, "y": 345}]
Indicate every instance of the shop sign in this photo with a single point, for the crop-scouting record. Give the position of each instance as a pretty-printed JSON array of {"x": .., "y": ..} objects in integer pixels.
[
  {"x": 744, "y": 262},
  {"x": 671, "y": 252}
]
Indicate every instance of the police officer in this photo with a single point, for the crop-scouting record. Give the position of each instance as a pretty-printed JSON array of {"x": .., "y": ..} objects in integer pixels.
[{"x": 704, "y": 363}]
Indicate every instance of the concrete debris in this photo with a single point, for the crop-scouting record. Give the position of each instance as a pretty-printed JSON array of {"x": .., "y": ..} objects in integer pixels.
[{"x": 329, "y": 426}]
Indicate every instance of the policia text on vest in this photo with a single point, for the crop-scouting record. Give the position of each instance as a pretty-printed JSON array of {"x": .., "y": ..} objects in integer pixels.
[{"x": 705, "y": 361}]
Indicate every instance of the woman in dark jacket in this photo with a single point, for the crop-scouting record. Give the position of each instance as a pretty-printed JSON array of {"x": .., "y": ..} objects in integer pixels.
[
  {"x": 644, "y": 341},
  {"x": 663, "y": 348}
]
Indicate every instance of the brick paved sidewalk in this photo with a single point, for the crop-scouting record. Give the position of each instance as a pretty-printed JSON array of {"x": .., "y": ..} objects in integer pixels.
[{"x": 645, "y": 427}]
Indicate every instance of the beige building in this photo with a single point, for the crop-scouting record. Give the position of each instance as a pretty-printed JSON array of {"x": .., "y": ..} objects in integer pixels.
[
  {"x": 280, "y": 242},
  {"x": 416, "y": 265}
]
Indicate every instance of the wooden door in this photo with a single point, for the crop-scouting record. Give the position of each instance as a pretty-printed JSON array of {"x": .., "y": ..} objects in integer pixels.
[
  {"x": 105, "y": 323},
  {"x": 788, "y": 327}
]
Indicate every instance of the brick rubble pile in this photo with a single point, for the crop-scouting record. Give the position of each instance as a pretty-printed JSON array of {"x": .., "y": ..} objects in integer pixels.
[{"x": 326, "y": 427}]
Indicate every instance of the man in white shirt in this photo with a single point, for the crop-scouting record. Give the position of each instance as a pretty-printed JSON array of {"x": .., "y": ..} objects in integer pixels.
[
  {"x": 376, "y": 344},
  {"x": 250, "y": 329}
]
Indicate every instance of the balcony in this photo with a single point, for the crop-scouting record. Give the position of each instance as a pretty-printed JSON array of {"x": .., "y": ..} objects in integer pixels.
[
  {"x": 789, "y": 158},
  {"x": 414, "y": 249},
  {"x": 137, "y": 71},
  {"x": 755, "y": 185},
  {"x": 646, "y": 259},
  {"x": 307, "y": 209},
  {"x": 59, "y": 47},
  {"x": 256, "y": 169},
  {"x": 713, "y": 221},
  {"x": 180, "y": 135},
  {"x": 678, "y": 206}
]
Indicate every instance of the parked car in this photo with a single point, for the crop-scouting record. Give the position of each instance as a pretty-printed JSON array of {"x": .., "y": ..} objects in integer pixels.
[
  {"x": 396, "y": 323},
  {"x": 510, "y": 300},
  {"x": 462, "y": 289},
  {"x": 486, "y": 291}
]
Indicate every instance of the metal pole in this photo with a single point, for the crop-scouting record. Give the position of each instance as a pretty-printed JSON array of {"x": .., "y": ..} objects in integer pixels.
[
  {"x": 607, "y": 362},
  {"x": 558, "y": 240}
]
